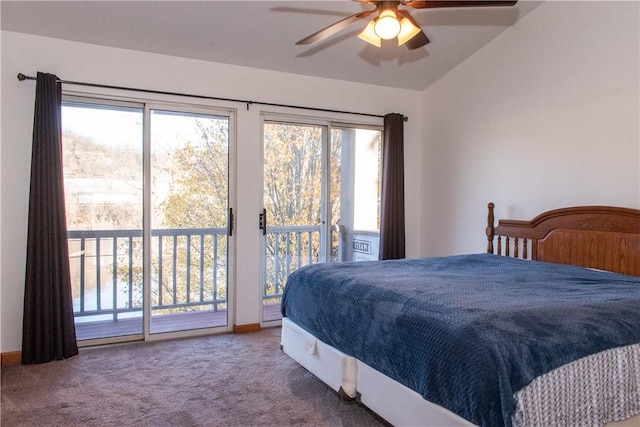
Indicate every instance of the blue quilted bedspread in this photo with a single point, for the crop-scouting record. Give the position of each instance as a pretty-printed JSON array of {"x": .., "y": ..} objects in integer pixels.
[{"x": 466, "y": 332}]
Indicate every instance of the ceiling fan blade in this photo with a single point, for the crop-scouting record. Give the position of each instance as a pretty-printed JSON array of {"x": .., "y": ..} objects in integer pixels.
[
  {"x": 433, "y": 4},
  {"x": 334, "y": 28},
  {"x": 417, "y": 41}
]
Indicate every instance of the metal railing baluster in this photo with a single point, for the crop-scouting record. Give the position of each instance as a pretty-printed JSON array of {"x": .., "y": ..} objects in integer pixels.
[
  {"x": 98, "y": 268},
  {"x": 175, "y": 274},
  {"x": 201, "y": 276},
  {"x": 276, "y": 259},
  {"x": 82, "y": 278},
  {"x": 114, "y": 279},
  {"x": 160, "y": 269},
  {"x": 214, "y": 269},
  {"x": 287, "y": 257},
  {"x": 299, "y": 250},
  {"x": 130, "y": 284},
  {"x": 188, "y": 267}
]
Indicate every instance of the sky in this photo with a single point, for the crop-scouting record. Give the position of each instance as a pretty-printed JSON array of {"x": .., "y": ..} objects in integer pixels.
[{"x": 122, "y": 126}]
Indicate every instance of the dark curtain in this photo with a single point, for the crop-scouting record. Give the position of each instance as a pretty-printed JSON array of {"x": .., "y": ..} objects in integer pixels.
[
  {"x": 48, "y": 327},
  {"x": 392, "y": 233}
]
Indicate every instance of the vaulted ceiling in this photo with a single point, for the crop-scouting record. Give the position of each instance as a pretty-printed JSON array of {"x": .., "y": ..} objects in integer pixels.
[{"x": 262, "y": 34}]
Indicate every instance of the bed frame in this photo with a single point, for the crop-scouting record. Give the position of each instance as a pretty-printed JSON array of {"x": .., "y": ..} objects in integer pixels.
[{"x": 599, "y": 237}]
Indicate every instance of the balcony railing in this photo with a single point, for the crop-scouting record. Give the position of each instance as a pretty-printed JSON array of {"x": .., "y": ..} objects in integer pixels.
[
  {"x": 189, "y": 268},
  {"x": 287, "y": 249}
]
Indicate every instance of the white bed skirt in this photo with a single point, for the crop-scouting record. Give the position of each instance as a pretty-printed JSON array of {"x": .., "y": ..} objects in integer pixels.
[
  {"x": 399, "y": 405},
  {"x": 331, "y": 366}
]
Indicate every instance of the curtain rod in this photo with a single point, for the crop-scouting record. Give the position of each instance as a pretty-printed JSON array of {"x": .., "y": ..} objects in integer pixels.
[{"x": 23, "y": 77}]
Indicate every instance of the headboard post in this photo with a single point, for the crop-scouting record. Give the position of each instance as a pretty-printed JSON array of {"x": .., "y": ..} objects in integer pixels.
[{"x": 490, "y": 230}]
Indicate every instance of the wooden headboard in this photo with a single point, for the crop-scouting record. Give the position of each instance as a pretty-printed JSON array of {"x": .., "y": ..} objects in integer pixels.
[{"x": 602, "y": 237}]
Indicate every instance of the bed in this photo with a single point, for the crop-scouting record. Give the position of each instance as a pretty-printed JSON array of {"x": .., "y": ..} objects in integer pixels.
[{"x": 543, "y": 329}]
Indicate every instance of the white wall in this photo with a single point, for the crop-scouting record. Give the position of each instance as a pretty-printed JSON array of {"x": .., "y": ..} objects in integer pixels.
[
  {"x": 545, "y": 116},
  {"x": 83, "y": 62}
]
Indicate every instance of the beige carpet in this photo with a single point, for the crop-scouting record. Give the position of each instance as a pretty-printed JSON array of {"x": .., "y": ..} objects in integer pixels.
[{"x": 224, "y": 380}]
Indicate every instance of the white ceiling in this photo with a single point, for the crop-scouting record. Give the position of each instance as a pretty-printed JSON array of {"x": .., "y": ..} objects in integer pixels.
[{"x": 261, "y": 34}]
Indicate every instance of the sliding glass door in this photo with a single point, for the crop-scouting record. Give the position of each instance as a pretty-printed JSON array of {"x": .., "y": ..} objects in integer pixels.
[
  {"x": 103, "y": 173},
  {"x": 189, "y": 220},
  {"x": 147, "y": 193},
  {"x": 294, "y": 205},
  {"x": 321, "y": 199}
]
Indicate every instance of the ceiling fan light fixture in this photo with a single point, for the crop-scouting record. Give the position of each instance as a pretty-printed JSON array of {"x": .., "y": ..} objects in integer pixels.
[
  {"x": 407, "y": 31},
  {"x": 387, "y": 25},
  {"x": 369, "y": 35},
  {"x": 393, "y": 21}
]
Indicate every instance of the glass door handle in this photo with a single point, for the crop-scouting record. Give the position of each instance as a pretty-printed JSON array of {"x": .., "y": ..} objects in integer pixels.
[{"x": 263, "y": 222}]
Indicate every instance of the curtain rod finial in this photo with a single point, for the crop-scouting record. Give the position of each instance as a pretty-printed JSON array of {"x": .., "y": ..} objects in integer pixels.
[{"x": 21, "y": 77}]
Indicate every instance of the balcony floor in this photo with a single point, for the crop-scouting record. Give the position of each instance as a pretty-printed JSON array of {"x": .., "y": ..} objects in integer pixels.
[{"x": 163, "y": 323}]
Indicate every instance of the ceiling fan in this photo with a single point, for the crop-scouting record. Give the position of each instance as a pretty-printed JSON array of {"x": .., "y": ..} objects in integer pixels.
[{"x": 394, "y": 22}]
